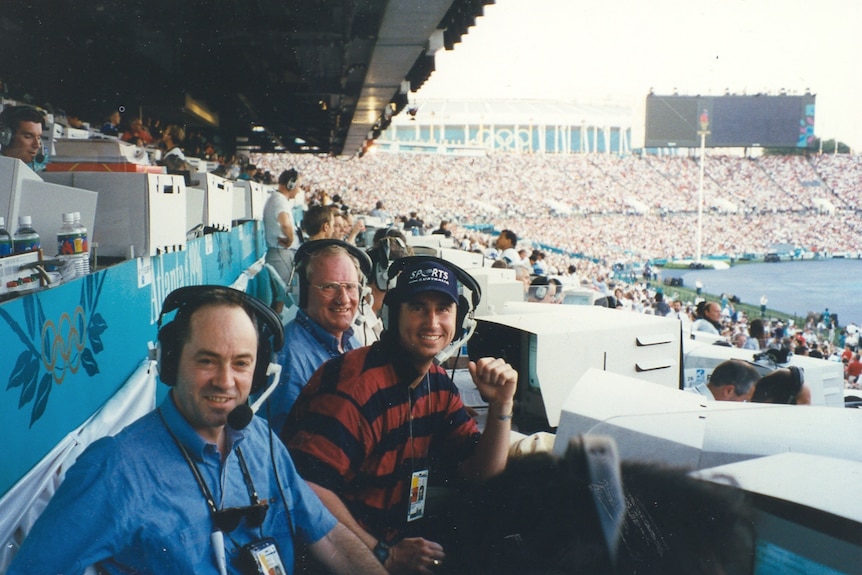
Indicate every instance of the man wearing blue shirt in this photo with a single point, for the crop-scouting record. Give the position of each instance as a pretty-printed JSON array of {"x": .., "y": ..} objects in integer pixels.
[
  {"x": 330, "y": 284},
  {"x": 178, "y": 491}
]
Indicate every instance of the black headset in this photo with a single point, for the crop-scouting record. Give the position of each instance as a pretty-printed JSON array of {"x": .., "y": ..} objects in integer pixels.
[
  {"x": 10, "y": 117},
  {"x": 187, "y": 300},
  {"x": 381, "y": 257},
  {"x": 540, "y": 286},
  {"x": 797, "y": 378},
  {"x": 466, "y": 308},
  {"x": 303, "y": 256},
  {"x": 6, "y": 133}
]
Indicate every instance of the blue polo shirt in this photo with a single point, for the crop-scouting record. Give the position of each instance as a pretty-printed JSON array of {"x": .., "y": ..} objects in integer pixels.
[
  {"x": 307, "y": 346},
  {"x": 131, "y": 503}
]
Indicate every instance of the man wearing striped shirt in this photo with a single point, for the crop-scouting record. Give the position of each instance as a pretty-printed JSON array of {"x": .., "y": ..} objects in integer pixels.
[{"x": 374, "y": 426}]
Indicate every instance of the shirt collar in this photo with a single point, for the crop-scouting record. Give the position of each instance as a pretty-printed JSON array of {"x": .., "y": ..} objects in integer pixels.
[
  {"x": 399, "y": 357},
  {"x": 196, "y": 445},
  {"x": 328, "y": 341}
]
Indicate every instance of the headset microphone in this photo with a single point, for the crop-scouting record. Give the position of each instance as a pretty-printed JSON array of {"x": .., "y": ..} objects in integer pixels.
[{"x": 241, "y": 415}]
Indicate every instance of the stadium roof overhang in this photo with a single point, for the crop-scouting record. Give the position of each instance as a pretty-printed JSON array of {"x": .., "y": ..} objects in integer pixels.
[{"x": 321, "y": 76}]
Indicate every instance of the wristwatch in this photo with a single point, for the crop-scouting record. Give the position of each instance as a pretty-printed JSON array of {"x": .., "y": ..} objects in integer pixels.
[{"x": 381, "y": 551}]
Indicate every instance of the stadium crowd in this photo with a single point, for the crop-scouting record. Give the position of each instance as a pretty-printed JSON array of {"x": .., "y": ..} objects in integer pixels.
[
  {"x": 608, "y": 207},
  {"x": 592, "y": 215}
]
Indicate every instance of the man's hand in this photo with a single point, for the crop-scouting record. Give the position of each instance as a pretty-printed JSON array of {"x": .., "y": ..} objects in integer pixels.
[
  {"x": 495, "y": 379},
  {"x": 415, "y": 555}
]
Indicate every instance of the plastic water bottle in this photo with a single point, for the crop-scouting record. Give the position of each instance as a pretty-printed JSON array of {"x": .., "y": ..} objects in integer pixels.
[
  {"x": 5, "y": 239},
  {"x": 25, "y": 239},
  {"x": 84, "y": 260},
  {"x": 71, "y": 248}
]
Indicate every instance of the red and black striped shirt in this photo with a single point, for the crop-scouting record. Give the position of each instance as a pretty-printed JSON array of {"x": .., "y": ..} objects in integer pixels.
[{"x": 360, "y": 430}]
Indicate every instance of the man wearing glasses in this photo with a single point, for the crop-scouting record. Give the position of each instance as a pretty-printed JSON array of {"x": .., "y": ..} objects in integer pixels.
[
  {"x": 179, "y": 491},
  {"x": 377, "y": 427},
  {"x": 331, "y": 276}
]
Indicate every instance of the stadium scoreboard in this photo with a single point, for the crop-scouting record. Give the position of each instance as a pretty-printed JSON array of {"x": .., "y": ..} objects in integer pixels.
[{"x": 729, "y": 121}]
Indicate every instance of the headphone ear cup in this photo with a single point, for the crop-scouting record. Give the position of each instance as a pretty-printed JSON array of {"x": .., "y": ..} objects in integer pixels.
[
  {"x": 461, "y": 319},
  {"x": 797, "y": 378},
  {"x": 381, "y": 266},
  {"x": 299, "y": 270},
  {"x": 5, "y": 136},
  {"x": 264, "y": 357},
  {"x": 541, "y": 292},
  {"x": 168, "y": 354}
]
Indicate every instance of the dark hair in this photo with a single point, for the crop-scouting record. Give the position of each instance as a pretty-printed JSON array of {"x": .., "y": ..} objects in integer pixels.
[
  {"x": 740, "y": 374},
  {"x": 511, "y": 236},
  {"x": 755, "y": 328},
  {"x": 287, "y": 176},
  {"x": 188, "y": 300},
  {"x": 12, "y": 116},
  {"x": 780, "y": 386}
]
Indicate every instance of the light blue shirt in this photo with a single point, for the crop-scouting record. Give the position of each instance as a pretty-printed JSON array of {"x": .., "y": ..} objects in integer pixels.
[
  {"x": 131, "y": 503},
  {"x": 307, "y": 346}
]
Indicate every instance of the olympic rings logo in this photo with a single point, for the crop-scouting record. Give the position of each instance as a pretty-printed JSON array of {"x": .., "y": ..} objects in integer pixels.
[{"x": 62, "y": 344}]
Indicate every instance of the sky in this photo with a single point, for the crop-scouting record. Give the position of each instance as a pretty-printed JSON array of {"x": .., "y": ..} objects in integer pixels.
[{"x": 595, "y": 50}]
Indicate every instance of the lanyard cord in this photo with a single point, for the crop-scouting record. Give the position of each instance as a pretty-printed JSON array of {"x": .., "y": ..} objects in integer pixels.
[
  {"x": 252, "y": 493},
  {"x": 410, "y": 419},
  {"x": 307, "y": 327}
]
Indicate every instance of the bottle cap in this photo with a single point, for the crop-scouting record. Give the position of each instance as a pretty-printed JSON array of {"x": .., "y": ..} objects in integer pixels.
[{"x": 25, "y": 220}]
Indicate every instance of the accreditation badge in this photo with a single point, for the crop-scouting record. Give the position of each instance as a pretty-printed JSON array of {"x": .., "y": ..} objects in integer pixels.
[
  {"x": 261, "y": 557},
  {"x": 418, "y": 490}
]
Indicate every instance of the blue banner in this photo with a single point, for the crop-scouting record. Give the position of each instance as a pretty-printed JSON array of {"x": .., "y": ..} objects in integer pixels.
[{"x": 68, "y": 349}]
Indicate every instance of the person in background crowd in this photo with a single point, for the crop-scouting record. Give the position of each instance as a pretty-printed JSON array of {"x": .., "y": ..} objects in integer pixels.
[
  {"x": 22, "y": 127},
  {"x": 783, "y": 386},
  {"x": 731, "y": 380},
  {"x": 111, "y": 127},
  {"x": 137, "y": 133},
  {"x": 282, "y": 241}
]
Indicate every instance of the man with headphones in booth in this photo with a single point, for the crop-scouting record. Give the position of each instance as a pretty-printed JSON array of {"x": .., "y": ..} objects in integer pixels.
[
  {"x": 21, "y": 134},
  {"x": 545, "y": 290},
  {"x": 197, "y": 485},
  {"x": 389, "y": 244},
  {"x": 282, "y": 241},
  {"x": 331, "y": 279},
  {"x": 376, "y": 427},
  {"x": 731, "y": 380}
]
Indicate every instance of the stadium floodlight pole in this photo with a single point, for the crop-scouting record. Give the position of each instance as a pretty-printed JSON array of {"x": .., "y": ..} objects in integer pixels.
[
  {"x": 700, "y": 196},
  {"x": 703, "y": 132}
]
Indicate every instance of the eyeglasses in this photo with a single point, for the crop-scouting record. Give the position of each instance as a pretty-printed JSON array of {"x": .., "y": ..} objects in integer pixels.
[
  {"x": 228, "y": 519},
  {"x": 332, "y": 289}
]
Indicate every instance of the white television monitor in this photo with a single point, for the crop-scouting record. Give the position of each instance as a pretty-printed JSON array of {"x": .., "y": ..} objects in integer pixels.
[
  {"x": 552, "y": 345},
  {"x": 654, "y": 423},
  {"x": 24, "y": 193},
  {"x": 210, "y": 203},
  {"x": 825, "y": 378},
  {"x": 807, "y": 519},
  {"x": 138, "y": 214}
]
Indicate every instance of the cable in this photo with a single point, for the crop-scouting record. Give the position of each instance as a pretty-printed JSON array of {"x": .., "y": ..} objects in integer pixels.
[{"x": 290, "y": 525}]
